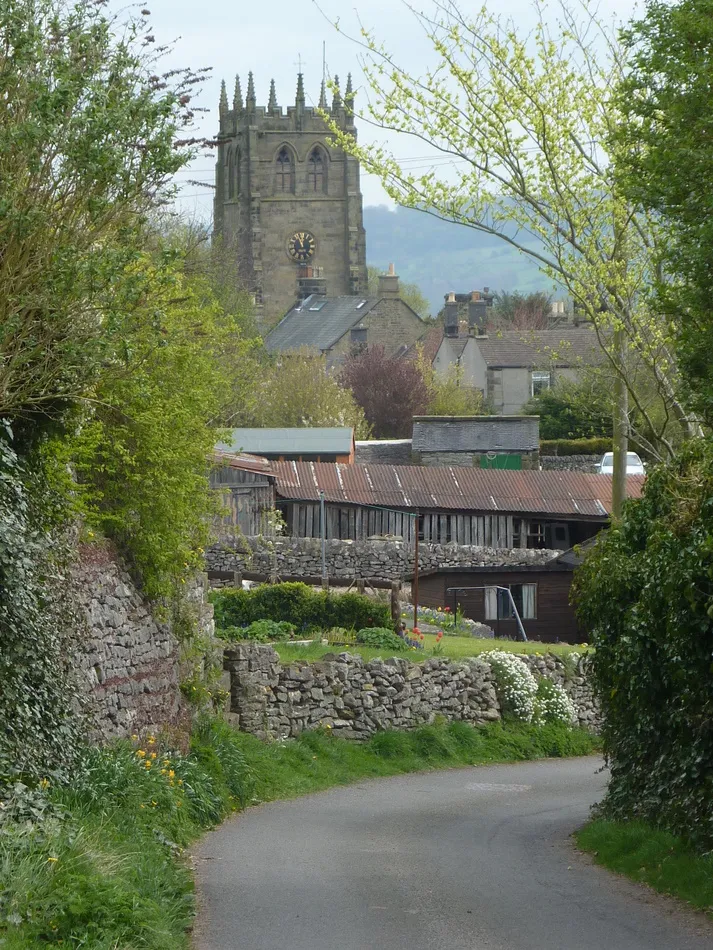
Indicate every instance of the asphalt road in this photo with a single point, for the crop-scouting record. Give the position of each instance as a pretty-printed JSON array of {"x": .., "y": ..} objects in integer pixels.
[{"x": 469, "y": 859}]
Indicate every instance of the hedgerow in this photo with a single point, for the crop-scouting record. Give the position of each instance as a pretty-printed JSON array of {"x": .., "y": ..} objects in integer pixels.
[
  {"x": 299, "y": 605},
  {"x": 646, "y": 594}
]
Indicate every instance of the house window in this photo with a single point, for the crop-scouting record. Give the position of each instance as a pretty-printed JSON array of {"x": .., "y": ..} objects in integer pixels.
[
  {"x": 541, "y": 380},
  {"x": 498, "y": 605},
  {"x": 316, "y": 178},
  {"x": 536, "y": 534},
  {"x": 358, "y": 336},
  {"x": 284, "y": 174}
]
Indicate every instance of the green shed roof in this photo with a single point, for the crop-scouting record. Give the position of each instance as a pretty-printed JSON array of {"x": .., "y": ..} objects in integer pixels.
[{"x": 330, "y": 439}]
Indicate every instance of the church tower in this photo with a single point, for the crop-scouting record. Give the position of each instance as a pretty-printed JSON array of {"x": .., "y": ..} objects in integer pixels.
[{"x": 287, "y": 200}]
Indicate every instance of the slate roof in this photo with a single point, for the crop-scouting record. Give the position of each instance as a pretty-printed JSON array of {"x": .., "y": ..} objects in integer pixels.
[
  {"x": 476, "y": 433},
  {"x": 335, "y": 439},
  {"x": 531, "y": 348},
  {"x": 319, "y": 327},
  {"x": 572, "y": 495}
]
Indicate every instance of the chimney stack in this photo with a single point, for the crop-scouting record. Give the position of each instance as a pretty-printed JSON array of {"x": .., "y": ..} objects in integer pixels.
[
  {"x": 477, "y": 313},
  {"x": 450, "y": 323},
  {"x": 389, "y": 283}
]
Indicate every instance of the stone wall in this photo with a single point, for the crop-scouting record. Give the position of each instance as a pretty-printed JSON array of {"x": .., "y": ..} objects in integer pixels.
[
  {"x": 570, "y": 463},
  {"x": 356, "y": 698},
  {"x": 128, "y": 662},
  {"x": 386, "y": 560}
]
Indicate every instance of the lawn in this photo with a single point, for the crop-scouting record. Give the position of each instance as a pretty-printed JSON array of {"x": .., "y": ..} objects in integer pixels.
[{"x": 455, "y": 648}]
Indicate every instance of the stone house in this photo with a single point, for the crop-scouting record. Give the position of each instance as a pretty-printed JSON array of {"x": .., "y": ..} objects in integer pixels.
[
  {"x": 511, "y": 366},
  {"x": 334, "y": 325}
]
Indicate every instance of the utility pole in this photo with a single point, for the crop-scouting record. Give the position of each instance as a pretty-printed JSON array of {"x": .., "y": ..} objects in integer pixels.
[
  {"x": 323, "y": 534},
  {"x": 414, "y": 586},
  {"x": 620, "y": 428}
]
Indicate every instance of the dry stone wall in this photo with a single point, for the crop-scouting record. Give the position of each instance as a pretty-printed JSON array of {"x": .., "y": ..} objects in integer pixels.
[
  {"x": 570, "y": 463},
  {"x": 356, "y": 698},
  {"x": 383, "y": 559},
  {"x": 128, "y": 663}
]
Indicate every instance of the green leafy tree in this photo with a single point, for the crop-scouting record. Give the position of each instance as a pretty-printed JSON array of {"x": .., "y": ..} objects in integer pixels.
[
  {"x": 297, "y": 389},
  {"x": 142, "y": 454},
  {"x": 527, "y": 120},
  {"x": 665, "y": 163},
  {"x": 574, "y": 410},
  {"x": 88, "y": 143},
  {"x": 409, "y": 293},
  {"x": 447, "y": 394}
]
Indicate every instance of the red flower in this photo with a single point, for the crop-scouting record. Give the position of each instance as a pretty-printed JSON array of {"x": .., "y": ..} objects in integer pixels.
[
  {"x": 447, "y": 610},
  {"x": 439, "y": 635},
  {"x": 416, "y": 631}
]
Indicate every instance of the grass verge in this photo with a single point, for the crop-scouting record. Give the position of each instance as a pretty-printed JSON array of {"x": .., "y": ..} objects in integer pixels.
[
  {"x": 99, "y": 865},
  {"x": 454, "y": 648},
  {"x": 651, "y": 857}
]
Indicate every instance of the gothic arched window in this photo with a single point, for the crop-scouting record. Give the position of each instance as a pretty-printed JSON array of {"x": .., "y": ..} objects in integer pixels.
[
  {"x": 284, "y": 171},
  {"x": 231, "y": 175},
  {"x": 316, "y": 172},
  {"x": 237, "y": 172}
]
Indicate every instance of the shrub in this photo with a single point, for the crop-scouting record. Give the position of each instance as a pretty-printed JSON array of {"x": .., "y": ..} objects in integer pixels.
[
  {"x": 575, "y": 446},
  {"x": 644, "y": 593},
  {"x": 514, "y": 683},
  {"x": 261, "y": 631},
  {"x": 380, "y": 637},
  {"x": 298, "y": 604},
  {"x": 552, "y": 704}
]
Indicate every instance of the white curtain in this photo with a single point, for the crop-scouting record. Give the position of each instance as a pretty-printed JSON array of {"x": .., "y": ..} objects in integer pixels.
[
  {"x": 491, "y": 603},
  {"x": 528, "y": 601}
]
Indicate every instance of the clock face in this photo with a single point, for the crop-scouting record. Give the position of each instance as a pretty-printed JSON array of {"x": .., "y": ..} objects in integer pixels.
[{"x": 301, "y": 246}]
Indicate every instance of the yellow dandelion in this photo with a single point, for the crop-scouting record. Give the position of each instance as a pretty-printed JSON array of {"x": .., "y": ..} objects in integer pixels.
[
  {"x": 135, "y": 738},
  {"x": 163, "y": 771},
  {"x": 140, "y": 753},
  {"x": 153, "y": 755},
  {"x": 147, "y": 763},
  {"x": 171, "y": 773},
  {"x": 151, "y": 740},
  {"x": 166, "y": 762},
  {"x": 180, "y": 781}
]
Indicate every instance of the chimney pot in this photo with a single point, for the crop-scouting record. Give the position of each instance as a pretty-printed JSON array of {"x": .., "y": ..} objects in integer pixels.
[
  {"x": 392, "y": 272},
  {"x": 451, "y": 297},
  {"x": 475, "y": 295}
]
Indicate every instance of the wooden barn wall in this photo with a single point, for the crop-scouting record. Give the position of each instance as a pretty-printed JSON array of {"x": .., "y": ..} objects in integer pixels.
[
  {"x": 247, "y": 509},
  {"x": 357, "y": 524},
  {"x": 555, "y": 620}
]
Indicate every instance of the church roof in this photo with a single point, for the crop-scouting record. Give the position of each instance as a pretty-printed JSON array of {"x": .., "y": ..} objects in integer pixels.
[{"x": 318, "y": 322}]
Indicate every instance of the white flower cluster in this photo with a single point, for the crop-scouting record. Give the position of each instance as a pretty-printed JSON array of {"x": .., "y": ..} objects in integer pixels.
[
  {"x": 552, "y": 704},
  {"x": 514, "y": 683}
]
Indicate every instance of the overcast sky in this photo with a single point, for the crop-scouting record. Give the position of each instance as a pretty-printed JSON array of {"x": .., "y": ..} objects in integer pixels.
[{"x": 269, "y": 37}]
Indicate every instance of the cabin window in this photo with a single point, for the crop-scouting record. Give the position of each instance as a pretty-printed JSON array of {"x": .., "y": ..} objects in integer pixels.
[
  {"x": 536, "y": 534},
  {"x": 498, "y": 605},
  {"x": 541, "y": 380}
]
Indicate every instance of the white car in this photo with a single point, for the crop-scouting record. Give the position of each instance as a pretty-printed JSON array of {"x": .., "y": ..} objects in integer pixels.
[{"x": 634, "y": 465}]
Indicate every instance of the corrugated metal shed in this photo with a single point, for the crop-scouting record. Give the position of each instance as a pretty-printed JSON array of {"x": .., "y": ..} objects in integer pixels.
[
  {"x": 476, "y": 433},
  {"x": 570, "y": 494},
  {"x": 318, "y": 322},
  {"x": 333, "y": 440},
  {"x": 528, "y": 348},
  {"x": 243, "y": 462}
]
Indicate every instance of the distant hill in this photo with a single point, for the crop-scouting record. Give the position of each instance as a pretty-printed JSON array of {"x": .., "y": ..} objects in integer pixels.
[{"x": 439, "y": 256}]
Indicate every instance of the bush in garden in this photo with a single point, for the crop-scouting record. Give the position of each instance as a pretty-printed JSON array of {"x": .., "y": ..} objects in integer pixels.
[
  {"x": 552, "y": 704},
  {"x": 260, "y": 631},
  {"x": 298, "y": 604},
  {"x": 380, "y": 637},
  {"x": 514, "y": 683}
]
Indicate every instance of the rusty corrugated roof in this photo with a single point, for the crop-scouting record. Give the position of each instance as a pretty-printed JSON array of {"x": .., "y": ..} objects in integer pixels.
[
  {"x": 463, "y": 489},
  {"x": 243, "y": 461}
]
